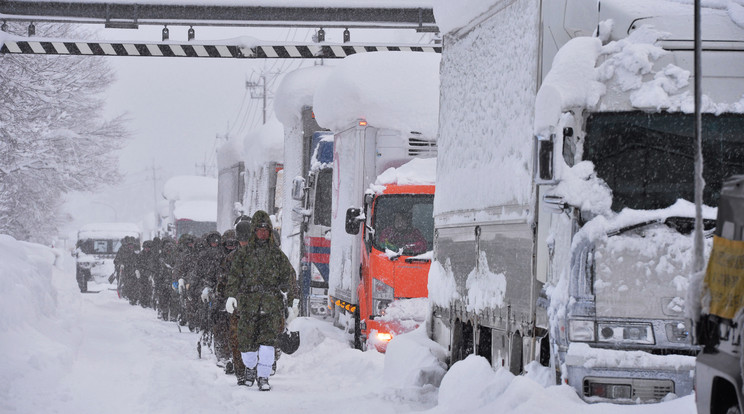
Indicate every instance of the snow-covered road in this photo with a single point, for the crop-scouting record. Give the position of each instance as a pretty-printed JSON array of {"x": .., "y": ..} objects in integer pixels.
[{"x": 67, "y": 352}]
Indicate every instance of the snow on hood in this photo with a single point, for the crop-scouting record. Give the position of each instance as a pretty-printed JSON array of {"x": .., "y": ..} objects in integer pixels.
[
  {"x": 418, "y": 171},
  {"x": 190, "y": 187},
  {"x": 296, "y": 92},
  {"x": 396, "y": 90},
  {"x": 584, "y": 355},
  {"x": 196, "y": 210},
  {"x": 264, "y": 144}
]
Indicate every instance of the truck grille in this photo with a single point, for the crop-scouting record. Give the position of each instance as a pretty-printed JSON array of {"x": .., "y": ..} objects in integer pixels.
[{"x": 418, "y": 147}]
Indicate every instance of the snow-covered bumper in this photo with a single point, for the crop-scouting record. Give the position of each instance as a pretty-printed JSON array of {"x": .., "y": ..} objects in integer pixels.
[{"x": 627, "y": 376}]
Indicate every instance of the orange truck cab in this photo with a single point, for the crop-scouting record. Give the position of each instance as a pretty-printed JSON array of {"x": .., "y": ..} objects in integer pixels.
[{"x": 395, "y": 272}]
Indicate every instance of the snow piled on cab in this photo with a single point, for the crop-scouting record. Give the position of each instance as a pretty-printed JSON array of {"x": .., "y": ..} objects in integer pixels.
[
  {"x": 418, "y": 171},
  {"x": 362, "y": 87}
]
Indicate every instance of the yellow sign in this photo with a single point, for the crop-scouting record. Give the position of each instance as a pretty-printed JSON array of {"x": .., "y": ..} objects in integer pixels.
[{"x": 725, "y": 277}]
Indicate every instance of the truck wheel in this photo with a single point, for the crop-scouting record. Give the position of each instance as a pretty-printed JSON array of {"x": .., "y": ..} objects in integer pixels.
[
  {"x": 734, "y": 409},
  {"x": 82, "y": 279},
  {"x": 359, "y": 341},
  {"x": 515, "y": 354}
]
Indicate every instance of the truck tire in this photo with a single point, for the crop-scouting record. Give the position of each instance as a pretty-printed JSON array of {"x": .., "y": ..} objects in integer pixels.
[
  {"x": 359, "y": 340},
  {"x": 734, "y": 409},
  {"x": 515, "y": 354},
  {"x": 82, "y": 279}
]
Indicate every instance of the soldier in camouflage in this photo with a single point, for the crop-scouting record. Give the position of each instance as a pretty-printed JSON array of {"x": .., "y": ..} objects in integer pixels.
[{"x": 260, "y": 279}]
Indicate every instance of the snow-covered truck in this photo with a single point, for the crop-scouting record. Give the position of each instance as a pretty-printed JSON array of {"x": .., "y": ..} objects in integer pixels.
[
  {"x": 263, "y": 154},
  {"x": 304, "y": 219},
  {"x": 316, "y": 229},
  {"x": 575, "y": 250},
  {"x": 96, "y": 248},
  {"x": 718, "y": 369},
  {"x": 192, "y": 205},
  {"x": 377, "y": 290}
]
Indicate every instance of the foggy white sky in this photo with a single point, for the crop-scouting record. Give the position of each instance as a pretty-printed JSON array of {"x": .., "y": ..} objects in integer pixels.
[{"x": 177, "y": 106}]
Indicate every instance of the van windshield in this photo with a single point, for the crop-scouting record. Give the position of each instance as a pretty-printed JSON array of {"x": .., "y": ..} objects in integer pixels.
[{"x": 648, "y": 159}]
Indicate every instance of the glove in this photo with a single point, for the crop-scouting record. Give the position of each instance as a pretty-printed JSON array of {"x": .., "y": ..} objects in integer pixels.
[
  {"x": 231, "y": 305},
  {"x": 174, "y": 285},
  {"x": 181, "y": 285},
  {"x": 137, "y": 273},
  {"x": 205, "y": 294},
  {"x": 292, "y": 312}
]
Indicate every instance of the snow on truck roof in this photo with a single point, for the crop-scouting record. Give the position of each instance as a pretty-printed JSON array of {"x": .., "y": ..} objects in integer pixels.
[
  {"x": 190, "y": 187},
  {"x": 296, "y": 92},
  {"x": 396, "y": 90},
  {"x": 108, "y": 230},
  {"x": 196, "y": 210}
]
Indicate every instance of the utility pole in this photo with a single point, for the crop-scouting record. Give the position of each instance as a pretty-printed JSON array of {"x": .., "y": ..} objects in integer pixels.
[{"x": 263, "y": 95}]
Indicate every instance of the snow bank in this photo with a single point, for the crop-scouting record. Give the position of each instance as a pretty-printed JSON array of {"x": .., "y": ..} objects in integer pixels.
[
  {"x": 190, "y": 187},
  {"x": 413, "y": 360},
  {"x": 397, "y": 90},
  {"x": 35, "y": 338}
]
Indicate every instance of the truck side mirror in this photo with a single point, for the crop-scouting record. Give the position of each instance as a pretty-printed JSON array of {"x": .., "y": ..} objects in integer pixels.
[
  {"x": 353, "y": 220},
  {"x": 298, "y": 188},
  {"x": 543, "y": 159},
  {"x": 555, "y": 204}
]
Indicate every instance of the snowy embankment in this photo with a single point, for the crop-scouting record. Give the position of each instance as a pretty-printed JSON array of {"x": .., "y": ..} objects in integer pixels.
[{"x": 67, "y": 352}]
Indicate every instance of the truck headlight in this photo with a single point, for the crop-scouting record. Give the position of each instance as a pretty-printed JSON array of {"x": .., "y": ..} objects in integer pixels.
[
  {"x": 636, "y": 333},
  {"x": 581, "y": 330},
  {"x": 677, "y": 332},
  {"x": 382, "y": 295}
]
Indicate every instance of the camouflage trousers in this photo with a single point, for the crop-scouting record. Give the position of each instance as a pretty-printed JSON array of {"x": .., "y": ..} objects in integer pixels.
[{"x": 233, "y": 342}]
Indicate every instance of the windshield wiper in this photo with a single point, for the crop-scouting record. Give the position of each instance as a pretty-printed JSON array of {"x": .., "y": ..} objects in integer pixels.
[
  {"x": 683, "y": 225},
  {"x": 633, "y": 227}
]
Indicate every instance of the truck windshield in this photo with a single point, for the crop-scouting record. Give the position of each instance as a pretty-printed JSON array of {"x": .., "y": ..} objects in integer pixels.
[
  {"x": 196, "y": 228},
  {"x": 648, "y": 159},
  {"x": 322, "y": 208},
  {"x": 98, "y": 246},
  {"x": 404, "y": 222}
]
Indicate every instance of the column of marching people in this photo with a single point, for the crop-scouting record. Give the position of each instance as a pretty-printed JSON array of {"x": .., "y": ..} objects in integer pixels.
[{"x": 238, "y": 290}]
